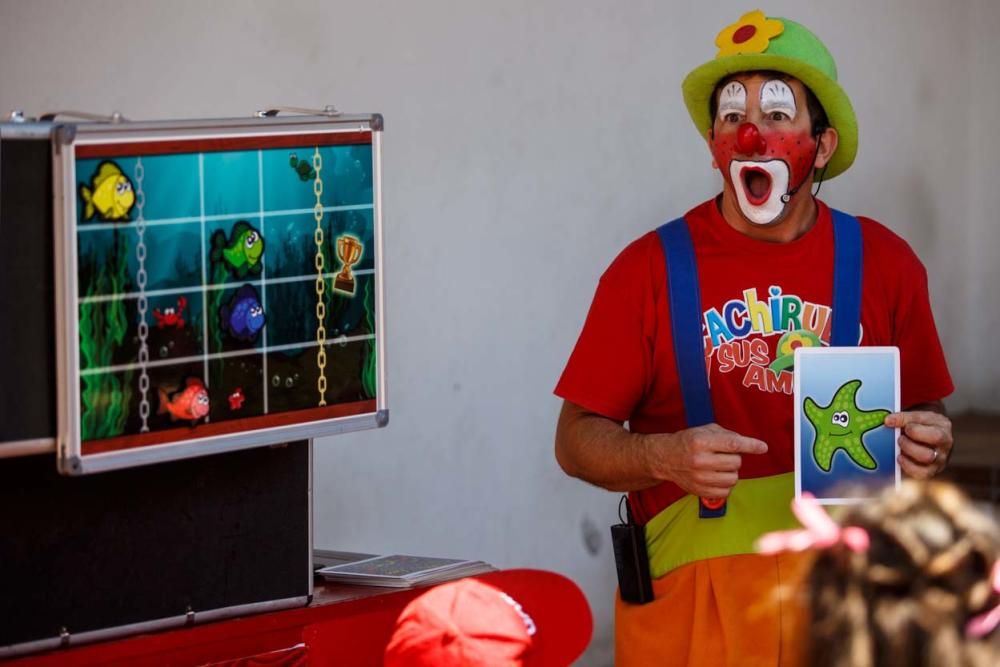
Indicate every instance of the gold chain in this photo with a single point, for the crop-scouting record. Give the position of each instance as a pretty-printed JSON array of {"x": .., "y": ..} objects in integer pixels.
[
  {"x": 143, "y": 302},
  {"x": 320, "y": 284}
]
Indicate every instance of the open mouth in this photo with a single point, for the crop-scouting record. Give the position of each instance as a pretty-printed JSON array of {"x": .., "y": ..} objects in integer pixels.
[{"x": 756, "y": 184}]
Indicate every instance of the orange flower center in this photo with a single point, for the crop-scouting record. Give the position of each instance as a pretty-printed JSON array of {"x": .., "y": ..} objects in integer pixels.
[
  {"x": 794, "y": 344},
  {"x": 744, "y": 33}
]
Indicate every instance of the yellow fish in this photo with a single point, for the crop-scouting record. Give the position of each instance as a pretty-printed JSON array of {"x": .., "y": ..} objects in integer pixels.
[{"x": 110, "y": 194}]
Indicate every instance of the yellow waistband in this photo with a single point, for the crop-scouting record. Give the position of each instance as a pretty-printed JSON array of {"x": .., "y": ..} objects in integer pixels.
[{"x": 677, "y": 536}]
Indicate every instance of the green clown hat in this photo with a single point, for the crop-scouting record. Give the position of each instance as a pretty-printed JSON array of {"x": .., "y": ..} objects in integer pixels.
[{"x": 757, "y": 42}]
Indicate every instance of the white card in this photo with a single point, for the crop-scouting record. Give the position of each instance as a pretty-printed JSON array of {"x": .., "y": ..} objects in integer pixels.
[{"x": 843, "y": 451}]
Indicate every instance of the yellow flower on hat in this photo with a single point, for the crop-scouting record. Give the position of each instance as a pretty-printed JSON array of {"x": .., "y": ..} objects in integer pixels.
[{"x": 751, "y": 34}]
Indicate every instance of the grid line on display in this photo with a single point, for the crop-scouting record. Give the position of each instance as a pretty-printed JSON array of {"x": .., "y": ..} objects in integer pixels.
[
  {"x": 204, "y": 271},
  {"x": 97, "y": 226},
  {"x": 216, "y": 286},
  {"x": 342, "y": 340},
  {"x": 263, "y": 272}
]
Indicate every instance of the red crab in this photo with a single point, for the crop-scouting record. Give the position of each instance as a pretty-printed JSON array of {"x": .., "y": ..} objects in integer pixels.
[
  {"x": 171, "y": 317},
  {"x": 236, "y": 399}
]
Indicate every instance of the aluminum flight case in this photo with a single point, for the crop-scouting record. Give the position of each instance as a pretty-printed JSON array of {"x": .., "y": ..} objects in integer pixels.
[{"x": 138, "y": 547}]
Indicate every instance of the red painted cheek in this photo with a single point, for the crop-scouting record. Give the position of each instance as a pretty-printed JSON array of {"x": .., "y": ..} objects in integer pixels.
[
  {"x": 723, "y": 150},
  {"x": 796, "y": 149}
]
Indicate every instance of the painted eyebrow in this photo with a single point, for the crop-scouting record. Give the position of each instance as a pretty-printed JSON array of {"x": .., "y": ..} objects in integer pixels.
[
  {"x": 777, "y": 94},
  {"x": 734, "y": 87},
  {"x": 737, "y": 96}
]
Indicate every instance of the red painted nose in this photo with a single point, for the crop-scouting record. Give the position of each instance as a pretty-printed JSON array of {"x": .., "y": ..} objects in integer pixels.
[{"x": 748, "y": 139}]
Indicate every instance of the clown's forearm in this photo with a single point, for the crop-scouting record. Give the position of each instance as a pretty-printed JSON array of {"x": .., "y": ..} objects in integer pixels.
[
  {"x": 601, "y": 451},
  {"x": 704, "y": 460}
]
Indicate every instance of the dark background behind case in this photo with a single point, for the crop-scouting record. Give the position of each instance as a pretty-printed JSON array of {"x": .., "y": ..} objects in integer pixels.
[
  {"x": 128, "y": 546},
  {"x": 27, "y": 298}
]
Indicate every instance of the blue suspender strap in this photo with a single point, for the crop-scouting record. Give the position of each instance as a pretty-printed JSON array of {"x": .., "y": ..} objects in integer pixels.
[
  {"x": 847, "y": 256},
  {"x": 684, "y": 299},
  {"x": 685, "y": 321}
]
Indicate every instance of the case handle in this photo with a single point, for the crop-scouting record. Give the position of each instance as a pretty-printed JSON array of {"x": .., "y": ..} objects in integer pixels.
[
  {"x": 328, "y": 110},
  {"x": 115, "y": 117}
]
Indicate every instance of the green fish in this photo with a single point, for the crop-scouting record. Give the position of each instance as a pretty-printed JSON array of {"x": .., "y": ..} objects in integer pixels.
[
  {"x": 110, "y": 195},
  {"x": 242, "y": 251},
  {"x": 842, "y": 425},
  {"x": 303, "y": 168}
]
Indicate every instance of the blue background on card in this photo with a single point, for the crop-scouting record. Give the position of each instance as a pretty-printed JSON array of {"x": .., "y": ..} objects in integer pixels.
[{"x": 822, "y": 375}]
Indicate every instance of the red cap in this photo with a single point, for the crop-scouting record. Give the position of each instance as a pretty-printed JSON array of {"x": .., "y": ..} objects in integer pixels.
[{"x": 511, "y": 618}]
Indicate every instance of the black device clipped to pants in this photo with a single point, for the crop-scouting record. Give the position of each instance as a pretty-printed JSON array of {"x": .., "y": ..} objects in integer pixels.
[{"x": 631, "y": 560}]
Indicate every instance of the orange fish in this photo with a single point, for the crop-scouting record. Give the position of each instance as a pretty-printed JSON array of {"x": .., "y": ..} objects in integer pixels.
[{"x": 190, "y": 404}]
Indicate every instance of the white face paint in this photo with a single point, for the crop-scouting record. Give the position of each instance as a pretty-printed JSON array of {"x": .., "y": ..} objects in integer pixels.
[
  {"x": 769, "y": 207},
  {"x": 775, "y": 95},
  {"x": 733, "y": 99}
]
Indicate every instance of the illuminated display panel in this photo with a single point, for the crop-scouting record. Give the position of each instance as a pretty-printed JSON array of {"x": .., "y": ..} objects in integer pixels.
[{"x": 224, "y": 289}]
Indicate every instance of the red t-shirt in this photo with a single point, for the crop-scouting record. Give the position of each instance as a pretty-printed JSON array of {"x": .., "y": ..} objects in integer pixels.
[{"x": 754, "y": 294}]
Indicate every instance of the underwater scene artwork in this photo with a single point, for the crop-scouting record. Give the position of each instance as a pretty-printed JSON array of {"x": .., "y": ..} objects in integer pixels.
[{"x": 221, "y": 291}]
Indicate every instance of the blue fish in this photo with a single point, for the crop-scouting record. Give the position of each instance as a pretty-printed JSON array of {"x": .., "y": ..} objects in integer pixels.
[{"x": 243, "y": 318}]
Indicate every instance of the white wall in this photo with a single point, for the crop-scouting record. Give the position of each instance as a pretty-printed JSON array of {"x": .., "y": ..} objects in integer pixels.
[
  {"x": 526, "y": 142},
  {"x": 974, "y": 358}
]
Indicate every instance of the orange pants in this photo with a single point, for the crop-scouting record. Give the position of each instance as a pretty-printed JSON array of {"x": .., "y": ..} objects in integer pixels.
[{"x": 744, "y": 610}]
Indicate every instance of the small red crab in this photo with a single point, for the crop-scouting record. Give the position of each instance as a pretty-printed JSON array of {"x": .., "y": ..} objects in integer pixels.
[
  {"x": 171, "y": 317},
  {"x": 236, "y": 399}
]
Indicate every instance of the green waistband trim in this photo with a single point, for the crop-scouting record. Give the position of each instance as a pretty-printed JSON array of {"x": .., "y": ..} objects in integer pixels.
[{"x": 677, "y": 536}]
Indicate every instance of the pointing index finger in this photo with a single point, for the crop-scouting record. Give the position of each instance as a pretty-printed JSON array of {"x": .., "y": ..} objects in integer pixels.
[{"x": 738, "y": 444}]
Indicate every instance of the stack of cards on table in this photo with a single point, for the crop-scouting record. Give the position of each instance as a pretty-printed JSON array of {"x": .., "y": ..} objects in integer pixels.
[{"x": 399, "y": 571}]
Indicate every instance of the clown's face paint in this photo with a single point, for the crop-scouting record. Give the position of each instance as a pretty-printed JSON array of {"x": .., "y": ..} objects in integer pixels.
[
  {"x": 765, "y": 149},
  {"x": 777, "y": 98},
  {"x": 759, "y": 186},
  {"x": 733, "y": 99}
]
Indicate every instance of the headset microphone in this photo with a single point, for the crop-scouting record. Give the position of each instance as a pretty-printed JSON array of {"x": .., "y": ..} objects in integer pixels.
[{"x": 785, "y": 198}]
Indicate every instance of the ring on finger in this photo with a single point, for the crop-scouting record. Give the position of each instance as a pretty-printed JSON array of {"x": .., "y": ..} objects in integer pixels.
[{"x": 935, "y": 450}]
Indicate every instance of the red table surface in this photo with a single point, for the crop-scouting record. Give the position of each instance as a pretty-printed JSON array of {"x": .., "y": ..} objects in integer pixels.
[{"x": 344, "y": 625}]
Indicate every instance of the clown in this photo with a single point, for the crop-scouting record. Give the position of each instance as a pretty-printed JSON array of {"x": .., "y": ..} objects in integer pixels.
[
  {"x": 688, "y": 339},
  {"x": 766, "y": 148}
]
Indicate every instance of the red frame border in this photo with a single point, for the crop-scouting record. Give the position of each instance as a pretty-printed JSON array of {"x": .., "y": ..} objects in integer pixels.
[
  {"x": 208, "y": 145},
  {"x": 210, "y": 429}
]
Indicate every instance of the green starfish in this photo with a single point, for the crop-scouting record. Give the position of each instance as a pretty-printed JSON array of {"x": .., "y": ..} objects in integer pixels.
[{"x": 842, "y": 425}]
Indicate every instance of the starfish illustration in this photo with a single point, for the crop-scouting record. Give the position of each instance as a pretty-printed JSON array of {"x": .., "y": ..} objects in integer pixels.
[{"x": 842, "y": 425}]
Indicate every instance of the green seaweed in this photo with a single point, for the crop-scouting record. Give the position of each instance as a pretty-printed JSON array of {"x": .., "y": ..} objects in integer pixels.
[
  {"x": 215, "y": 305},
  {"x": 211, "y": 309},
  {"x": 369, "y": 373},
  {"x": 103, "y": 326}
]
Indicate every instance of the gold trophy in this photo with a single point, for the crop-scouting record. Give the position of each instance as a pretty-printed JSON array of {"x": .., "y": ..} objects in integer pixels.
[{"x": 349, "y": 252}]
